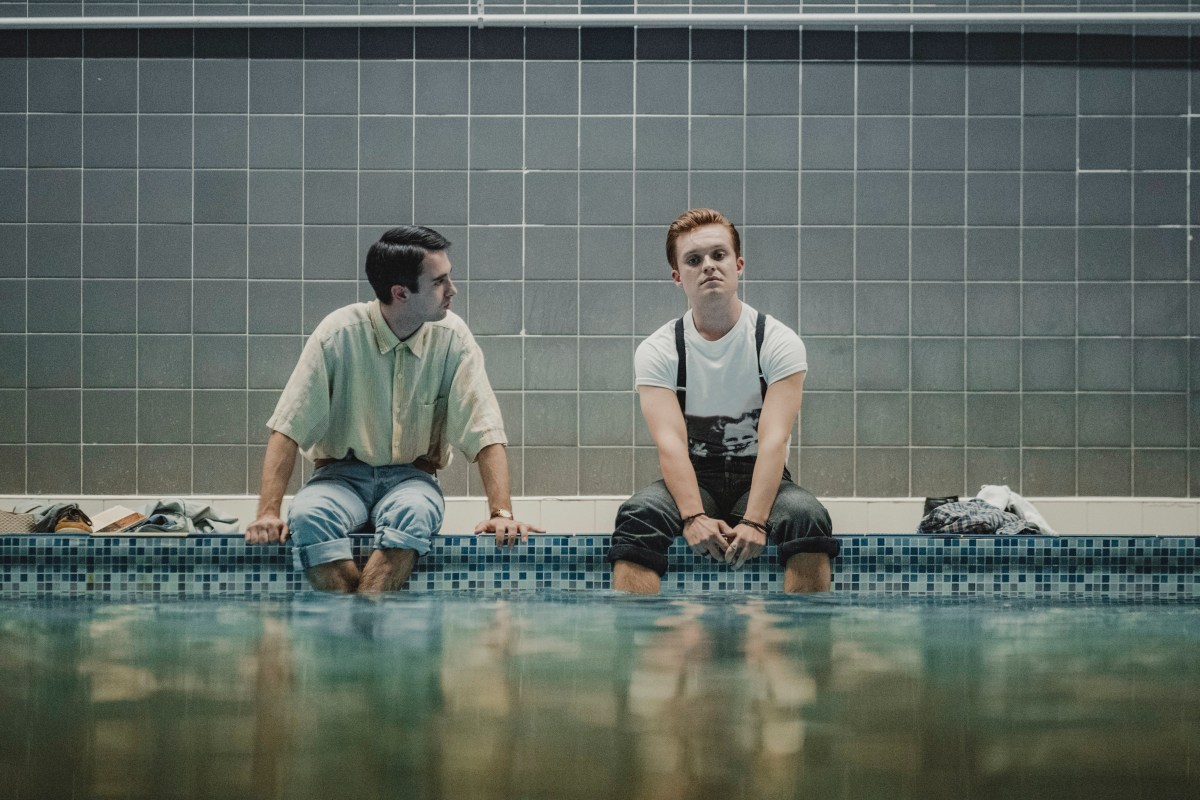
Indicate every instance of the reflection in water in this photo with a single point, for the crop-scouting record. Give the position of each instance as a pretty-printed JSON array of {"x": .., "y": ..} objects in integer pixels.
[{"x": 599, "y": 696}]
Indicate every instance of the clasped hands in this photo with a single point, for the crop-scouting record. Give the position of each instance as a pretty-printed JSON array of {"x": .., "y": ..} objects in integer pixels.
[{"x": 715, "y": 538}]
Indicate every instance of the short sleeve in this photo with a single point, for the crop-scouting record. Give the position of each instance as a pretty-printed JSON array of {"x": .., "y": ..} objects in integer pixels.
[
  {"x": 783, "y": 353},
  {"x": 302, "y": 413},
  {"x": 473, "y": 419},
  {"x": 656, "y": 363}
]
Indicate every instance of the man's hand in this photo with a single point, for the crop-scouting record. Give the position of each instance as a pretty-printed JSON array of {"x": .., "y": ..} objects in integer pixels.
[
  {"x": 707, "y": 536},
  {"x": 508, "y": 531},
  {"x": 745, "y": 542},
  {"x": 278, "y": 464},
  {"x": 267, "y": 529}
]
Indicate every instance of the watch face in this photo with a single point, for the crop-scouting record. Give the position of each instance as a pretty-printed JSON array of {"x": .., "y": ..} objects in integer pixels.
[{"x": 502, "y": 512}]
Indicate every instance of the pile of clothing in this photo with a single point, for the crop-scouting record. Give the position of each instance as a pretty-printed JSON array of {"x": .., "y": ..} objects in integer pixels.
[
  {"x": 995, "y": 510},
  {"x": 158, "y": 516}
]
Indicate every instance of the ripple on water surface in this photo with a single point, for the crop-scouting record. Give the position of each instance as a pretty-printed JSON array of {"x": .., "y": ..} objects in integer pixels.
[{"x": 582, "y": 695}]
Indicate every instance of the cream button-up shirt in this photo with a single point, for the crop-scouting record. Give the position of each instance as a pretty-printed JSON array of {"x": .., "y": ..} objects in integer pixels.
[{"x": 360, "y": 390}]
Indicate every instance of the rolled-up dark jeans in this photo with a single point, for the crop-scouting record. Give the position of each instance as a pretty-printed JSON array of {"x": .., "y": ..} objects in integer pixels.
[{"x": 649, "y": 521}]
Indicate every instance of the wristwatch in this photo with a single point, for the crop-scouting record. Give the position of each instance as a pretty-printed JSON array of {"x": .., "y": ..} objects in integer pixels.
[{"x": 501, "y": 512}]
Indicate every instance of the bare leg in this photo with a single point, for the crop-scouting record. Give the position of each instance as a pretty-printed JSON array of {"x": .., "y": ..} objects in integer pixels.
[
  {"x": 387, "y": 570},
  {"x": 634, "y": 578},
  {"x": 807, "y": 572},
  {"x": 335, "y": 576}
]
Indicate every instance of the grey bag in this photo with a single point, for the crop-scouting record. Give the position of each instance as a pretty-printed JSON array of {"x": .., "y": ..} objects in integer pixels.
[{"x": 16, "y": 523}]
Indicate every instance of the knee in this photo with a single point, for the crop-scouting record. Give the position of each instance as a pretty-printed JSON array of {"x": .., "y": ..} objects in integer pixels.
[
  {"x": 803, "y": 527},
  {"x": 649, "y": 506},
  {"x": 802, "y": 519},
  {"x": 418, "y": 516},
  {"x": 800, "y": 514},
  {"x": 408, "y": 525},
  {"x": 646, "y": 524},
  {"x": 310, "y": 521},
  {"x": 630, "y": 509}
]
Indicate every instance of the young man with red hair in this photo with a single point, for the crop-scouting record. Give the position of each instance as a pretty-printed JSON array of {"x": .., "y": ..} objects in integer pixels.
[{"x": 720, "y": 389}]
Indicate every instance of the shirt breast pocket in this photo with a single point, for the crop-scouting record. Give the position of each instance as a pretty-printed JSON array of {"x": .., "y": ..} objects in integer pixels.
[{"x": 418, "y": 430}]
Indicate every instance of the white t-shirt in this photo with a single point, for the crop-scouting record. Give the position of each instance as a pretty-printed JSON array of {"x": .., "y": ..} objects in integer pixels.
[{"x": 723, "y": 396}]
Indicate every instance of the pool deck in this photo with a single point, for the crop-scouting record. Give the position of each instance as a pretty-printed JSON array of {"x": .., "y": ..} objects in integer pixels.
[{"x": 1116, "y": 567}]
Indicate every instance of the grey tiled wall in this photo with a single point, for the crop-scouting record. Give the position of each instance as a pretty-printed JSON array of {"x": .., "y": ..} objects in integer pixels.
[
  {"x": 91, "y": 8},
  {"x": 983, "y": 239}
]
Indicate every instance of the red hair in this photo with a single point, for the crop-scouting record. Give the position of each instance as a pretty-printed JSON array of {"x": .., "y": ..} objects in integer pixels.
[{"x": 689, "y": 221}]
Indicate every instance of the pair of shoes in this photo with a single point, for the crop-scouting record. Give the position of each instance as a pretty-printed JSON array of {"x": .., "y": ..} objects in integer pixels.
[
  {"x": 73, "y": 521},
  {"x": 933, "y": 502}
]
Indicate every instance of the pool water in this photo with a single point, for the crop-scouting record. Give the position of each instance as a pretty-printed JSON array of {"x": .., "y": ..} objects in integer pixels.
[{"x": 558, "y": 695}]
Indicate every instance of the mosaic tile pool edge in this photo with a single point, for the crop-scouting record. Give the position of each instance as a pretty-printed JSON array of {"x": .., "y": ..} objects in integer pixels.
[{"x": 1025, "y": 566}]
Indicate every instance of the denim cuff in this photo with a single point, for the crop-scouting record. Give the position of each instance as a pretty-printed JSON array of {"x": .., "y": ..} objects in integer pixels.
[
  {"x": 305, "y": 557},
  {"x": 638, "y": 555},
  {"x": 392, "y": 539},
  {"x": 809, "y": 544}
]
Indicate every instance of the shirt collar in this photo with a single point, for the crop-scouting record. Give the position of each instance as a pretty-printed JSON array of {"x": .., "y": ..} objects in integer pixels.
[{"x": 386, "y": 339}]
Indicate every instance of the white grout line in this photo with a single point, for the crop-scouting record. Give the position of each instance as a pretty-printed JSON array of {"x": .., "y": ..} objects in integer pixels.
[
  {"x": 911, "y": 446},
  {"x": 191, "y": 386},
  {"x": 1133, "y": 458},
  {"x": 855, "y": 336},
  {"x": 25, "y": 322},
  {"x": 82, "y": 217},
  {"x": 1021, "y": 272}
]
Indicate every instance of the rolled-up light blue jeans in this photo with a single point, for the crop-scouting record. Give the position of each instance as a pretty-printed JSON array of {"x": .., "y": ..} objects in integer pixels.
[{"x": 404, "y": 504}]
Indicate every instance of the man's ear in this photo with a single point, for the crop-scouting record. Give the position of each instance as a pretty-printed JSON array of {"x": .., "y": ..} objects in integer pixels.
[
  {"x": 675, "y": 276},
  {"x": 399, "y": 292},
  {"x": 741, "y": 265}
]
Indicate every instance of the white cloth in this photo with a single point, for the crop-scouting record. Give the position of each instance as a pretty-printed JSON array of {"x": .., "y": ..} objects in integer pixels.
[
  {"x": 1026, "y": 510},
  {"x": 723, "y": 396},
  {"x": 1006, "y": 499},
  {"x": 996, "y": 495}
]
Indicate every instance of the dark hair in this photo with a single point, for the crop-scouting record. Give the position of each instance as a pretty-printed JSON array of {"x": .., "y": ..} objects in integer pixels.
[
  {"x": 689, "y": 221},
  {"x": 396, "y": 258}
]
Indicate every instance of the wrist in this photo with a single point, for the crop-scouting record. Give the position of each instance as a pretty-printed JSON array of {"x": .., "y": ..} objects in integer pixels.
[
  {"x": 501, "y": 512},
  {"x": 690, "y": 518},
  {"x": 761, "y": 526}
]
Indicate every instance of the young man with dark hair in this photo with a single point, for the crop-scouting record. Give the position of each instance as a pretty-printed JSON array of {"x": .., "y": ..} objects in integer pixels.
[
  {"x": 720, "y": 389},
  {"x": 381, "y": 391}
]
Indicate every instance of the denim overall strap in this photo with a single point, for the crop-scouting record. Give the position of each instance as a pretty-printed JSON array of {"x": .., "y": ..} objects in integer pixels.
[
  {"x": 681, "y": 372},
  {"x": 760, "y": 332}
]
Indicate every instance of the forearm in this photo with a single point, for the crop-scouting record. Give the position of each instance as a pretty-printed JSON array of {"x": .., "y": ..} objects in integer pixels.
[
  {"x": 764, "y": 483},
  {"x": 781, "y": 407},
  {"x": 680, "y": 477},
  {"x": 665, "y": 419},
  {"x": 493, "y": 471},
  {"x": 278, "y": 465}
]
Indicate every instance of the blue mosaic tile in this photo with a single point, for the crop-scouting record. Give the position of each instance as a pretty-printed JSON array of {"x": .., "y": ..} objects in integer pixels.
[{"x": 1018, "y": 566}]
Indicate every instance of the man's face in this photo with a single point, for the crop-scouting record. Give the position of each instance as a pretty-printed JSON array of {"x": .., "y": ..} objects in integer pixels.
[
  {"x": 435, "y": 288},
  {"x": 705, "y": 263}
]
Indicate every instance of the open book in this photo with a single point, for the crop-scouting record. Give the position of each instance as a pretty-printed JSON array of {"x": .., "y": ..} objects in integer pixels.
[{"x": 120, "y": 521}]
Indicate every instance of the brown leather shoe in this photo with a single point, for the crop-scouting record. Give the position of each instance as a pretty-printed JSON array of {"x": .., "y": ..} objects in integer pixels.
[{"x": 73, "y": 521}]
